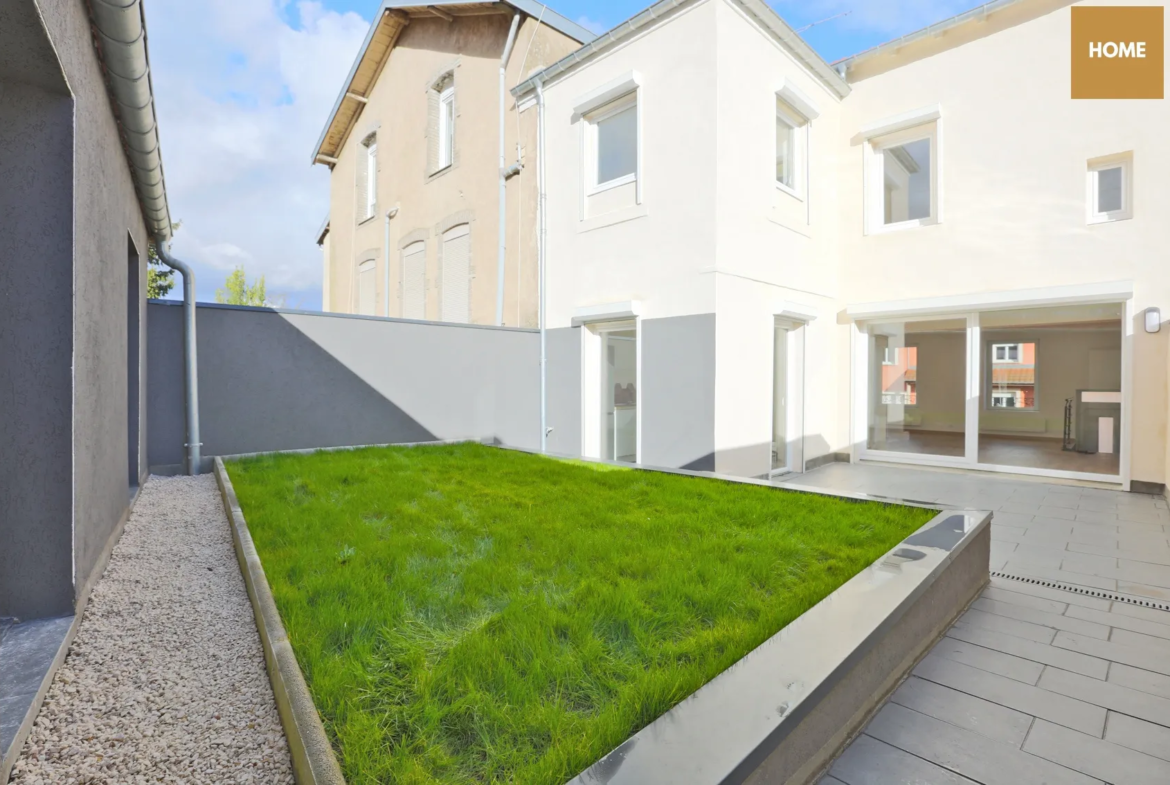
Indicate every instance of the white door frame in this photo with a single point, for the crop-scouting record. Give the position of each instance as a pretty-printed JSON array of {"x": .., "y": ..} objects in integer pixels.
[
  {"x": 794, "y": 379},
  {"x": 591, "y": 333},
  {"x": 859, "y": 397}
]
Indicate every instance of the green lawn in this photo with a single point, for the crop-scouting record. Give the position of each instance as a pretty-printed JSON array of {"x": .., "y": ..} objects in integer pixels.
[{"x": 465, "y": 614}]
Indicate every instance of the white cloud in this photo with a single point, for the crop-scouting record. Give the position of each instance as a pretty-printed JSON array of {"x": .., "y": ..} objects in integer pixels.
[
  {"x": 243, "y": 89},
  {"x": 592, "y": 25}
]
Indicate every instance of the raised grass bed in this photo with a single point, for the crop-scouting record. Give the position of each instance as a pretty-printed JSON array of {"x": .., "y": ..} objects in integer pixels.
[{"x": 468, "y": 614}]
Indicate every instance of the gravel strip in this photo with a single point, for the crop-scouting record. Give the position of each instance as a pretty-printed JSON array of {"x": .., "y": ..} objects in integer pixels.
[{"x": 165, "y": 681}]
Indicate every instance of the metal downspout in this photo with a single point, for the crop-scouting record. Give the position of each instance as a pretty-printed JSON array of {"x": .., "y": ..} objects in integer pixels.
[
  {"x": 189, "y": 354},
  {"x": 503, "y": 174},
  {"x": 541, "y": 242}
]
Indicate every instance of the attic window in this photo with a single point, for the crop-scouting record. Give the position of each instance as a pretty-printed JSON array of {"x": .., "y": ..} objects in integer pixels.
[{"x": 441, "y": 125}]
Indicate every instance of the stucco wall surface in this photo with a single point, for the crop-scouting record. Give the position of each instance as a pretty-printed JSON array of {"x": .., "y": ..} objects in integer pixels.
[{"x": 272, "y": 380}]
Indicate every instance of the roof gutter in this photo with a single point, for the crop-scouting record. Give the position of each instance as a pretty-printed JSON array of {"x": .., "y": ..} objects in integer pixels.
[
  {"x": 120, "y": 34},
  {"x": 979, "y": 13}
]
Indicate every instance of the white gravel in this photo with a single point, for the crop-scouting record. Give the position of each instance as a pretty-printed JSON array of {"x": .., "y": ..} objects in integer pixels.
[{"x": 165, "y": 681}]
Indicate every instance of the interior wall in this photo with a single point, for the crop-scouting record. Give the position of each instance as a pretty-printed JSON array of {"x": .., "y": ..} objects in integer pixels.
[{"x": 1066, "y": 361}]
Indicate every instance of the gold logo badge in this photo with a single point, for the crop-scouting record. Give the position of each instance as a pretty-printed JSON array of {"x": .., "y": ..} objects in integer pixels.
[{"x": 1117, "y": 51}]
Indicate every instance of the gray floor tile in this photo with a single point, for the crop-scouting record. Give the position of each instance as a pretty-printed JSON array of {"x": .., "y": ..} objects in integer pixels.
[
  {"x": 1051, "y": 511},
  {"x": 1137, "y": 656},
  {"x": 1024, "y": 600},
  {"x": 1107, "y": 694},
  {"x": 1095, "y": 757},
  {"x": 1131, "y": 540},
  {"x": 1010, "y": 519},
  {"x": 1139, "y": 612},
  {"x": 1006, "y": 534},
  {"x": 1047, "y": 551},
  {"x": 1092, "y": 516},
  {"x": 1140, "y": 679},
  {"x": 1097, "y": 504},
  {"x": 1048, "y": 559},
  {"x": 827, "y": 780},
  {"x": 1030, "y": 650},
  {"x": 1138, "y": 735},
  {"x": 1122, "y": 621},
  {"x": 1000, "y": 549},
  {"x": 1050, "y": 526},
  {"x": 1066, "y": 500},
  {"x": 1072, "y": 598},
  {"x": 1142, "y": 572},
  {"x": 1044, "y": 618},
  {"x": 995, "y": 623},
  {"x": 989, "y": 660},
  {"x": 872, "y": 762},
  {"x": 1020, "y": 509},
  {"x": 983, "y": 760},
  {"x": 964, "y": 710},
  {"x": 1025, "y": 698},
  {"x": 1152, "y": 643},
  {"x": 1150, "y": 555}
]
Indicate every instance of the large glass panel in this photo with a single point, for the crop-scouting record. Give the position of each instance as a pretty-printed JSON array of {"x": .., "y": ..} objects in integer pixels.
[
  {"x": 780, "y": 399},
  {"x": 619, "y": 397},
  {"x": 617, "y": 145},
  {"x": 906, "y": 179},
  {"x": 1051, "y": 388},
  {"x": 917, "y": 387}
]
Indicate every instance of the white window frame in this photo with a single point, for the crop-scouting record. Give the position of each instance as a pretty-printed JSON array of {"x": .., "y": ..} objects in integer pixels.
[
  {"x": 590, "y": 157},
  {"x": 1125, "y": 164},
  {"x": 913, "y": 126},
  {"x": 371, "y": 177},
  {"x": 799, "y": 125},
  {"x": 1003, "y": 395},
  {"x": 446, "y": 127},
  {"x": 1019, "y": 353},
  {"x": 886, "y": 357}
]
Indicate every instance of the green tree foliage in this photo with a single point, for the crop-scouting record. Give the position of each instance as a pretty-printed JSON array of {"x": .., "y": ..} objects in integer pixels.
[
  {"x": 160, "y": 279},
  {"x": 237, "y": 291}
]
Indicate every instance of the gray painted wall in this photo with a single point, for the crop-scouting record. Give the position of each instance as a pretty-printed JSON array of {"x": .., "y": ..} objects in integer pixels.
[
  {"x": 564, "y": 390},
  {"x": 281, "y": 380},
  {"x": 67, "y": 206},
  {"x": 678, "y": 392}
]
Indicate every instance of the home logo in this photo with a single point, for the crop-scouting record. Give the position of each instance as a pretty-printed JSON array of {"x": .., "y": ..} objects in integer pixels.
[{"x": 1117, "y": 51}]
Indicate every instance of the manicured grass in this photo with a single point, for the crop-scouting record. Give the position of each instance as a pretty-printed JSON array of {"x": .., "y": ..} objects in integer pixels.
[{"x": 465, "y": 614}]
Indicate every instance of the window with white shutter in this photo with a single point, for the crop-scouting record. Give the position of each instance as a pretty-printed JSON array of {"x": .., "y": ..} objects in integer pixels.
[
  {"x": 366, "y": 288},
  {"x": 366, "y": 179},
  {"x": 456, "y": 275},
  {"x": 414, "y": 278}
]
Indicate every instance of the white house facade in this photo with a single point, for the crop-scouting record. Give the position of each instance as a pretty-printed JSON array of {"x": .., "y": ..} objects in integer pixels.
[{"x": 929, "y": 253}]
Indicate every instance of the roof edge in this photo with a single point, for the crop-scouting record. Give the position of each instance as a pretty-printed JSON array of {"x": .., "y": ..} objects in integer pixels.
[
  {"x": 759, "y": 10},
  {"x": 938, "y": 28},
  {"x": 531, "y": 8}
]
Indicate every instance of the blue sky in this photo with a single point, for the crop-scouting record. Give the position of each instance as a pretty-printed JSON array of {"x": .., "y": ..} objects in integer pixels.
[{"x": 243, "y": 88}]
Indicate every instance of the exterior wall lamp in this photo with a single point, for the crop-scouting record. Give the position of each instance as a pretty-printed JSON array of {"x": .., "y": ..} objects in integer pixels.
[{"x": 1153, "y": 320}]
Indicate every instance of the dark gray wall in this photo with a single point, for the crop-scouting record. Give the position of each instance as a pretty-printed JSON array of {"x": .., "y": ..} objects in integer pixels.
[
  {"x": 283, "y": 380},
  {"x": 36, "y": 157},
  {"x": 67, "y": 207},
  {"x": 678, "y": 392}
]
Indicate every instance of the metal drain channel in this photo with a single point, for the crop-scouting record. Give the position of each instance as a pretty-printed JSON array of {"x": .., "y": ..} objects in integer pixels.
[{"x": 1104, "y": 595}]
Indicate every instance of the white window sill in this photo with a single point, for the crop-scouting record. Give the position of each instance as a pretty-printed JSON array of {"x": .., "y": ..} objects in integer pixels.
[
  {"x": 615, "y": 183},
  {"x": 609, "y": 219},
  {"x": 790, "y": 191},
  {"x": 368, "y": 218},
  {"x": 442, "y": 170},
  {"x": 903, "y": 225}
]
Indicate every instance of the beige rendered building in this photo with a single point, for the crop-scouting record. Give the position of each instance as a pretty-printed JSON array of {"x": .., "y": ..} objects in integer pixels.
[{"x": 420, "y": 183}]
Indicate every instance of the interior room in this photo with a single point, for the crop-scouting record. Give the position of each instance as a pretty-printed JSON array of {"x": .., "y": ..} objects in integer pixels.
[{"x": 1049, "y": 392}]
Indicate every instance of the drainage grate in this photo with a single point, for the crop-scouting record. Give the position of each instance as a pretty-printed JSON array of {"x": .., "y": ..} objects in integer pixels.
[{"x": 1105, "y": 595}]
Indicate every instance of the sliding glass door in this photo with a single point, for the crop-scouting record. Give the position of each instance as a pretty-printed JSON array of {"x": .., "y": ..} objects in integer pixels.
[
  {"x": 917, "y": 401},
  {"x": 1036, "y": 390}
]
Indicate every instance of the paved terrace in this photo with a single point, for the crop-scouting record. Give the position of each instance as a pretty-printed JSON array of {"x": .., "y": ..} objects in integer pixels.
[{"x": 1033, "y": 684}]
